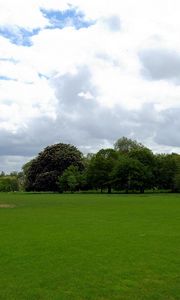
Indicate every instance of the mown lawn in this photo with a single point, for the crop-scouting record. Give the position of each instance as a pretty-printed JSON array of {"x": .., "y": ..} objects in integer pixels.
[{"x": 94, "y": 247}]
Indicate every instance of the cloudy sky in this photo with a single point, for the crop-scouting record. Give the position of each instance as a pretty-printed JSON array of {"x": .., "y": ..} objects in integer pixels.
[{"x": 87, "y": 72}]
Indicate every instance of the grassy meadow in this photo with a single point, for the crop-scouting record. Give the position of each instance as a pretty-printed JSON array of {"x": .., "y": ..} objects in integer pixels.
[{"x": 89, "y": 247}]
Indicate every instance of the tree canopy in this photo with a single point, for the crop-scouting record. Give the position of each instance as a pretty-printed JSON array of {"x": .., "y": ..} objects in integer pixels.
[
  {"x": 130, "y": 166},
  {"x": 44, "y": 170},
  {"x": 125, "y": 145}
]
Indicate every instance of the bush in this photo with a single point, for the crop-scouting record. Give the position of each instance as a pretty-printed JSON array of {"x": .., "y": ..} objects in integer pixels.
[{"x": 8, "y": 184}]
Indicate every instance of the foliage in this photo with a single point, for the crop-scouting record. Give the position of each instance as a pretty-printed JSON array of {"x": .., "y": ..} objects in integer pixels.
[
  {"x": 44, "y": 170},
  {"x": 125, "y": 145},
  {"x": 177, "y": 173},
  {"x": 165, "y": 170},
  {"x": 146, "y": 157},
  {"x": 129, "y": 174},
  {"x": 69, "y": 180},
  {"x": 129, "y": 166},
  {"x": 100, "y": 168},
  {"x": 46, "y": 181},
  {"x": 9, "y": 184}
]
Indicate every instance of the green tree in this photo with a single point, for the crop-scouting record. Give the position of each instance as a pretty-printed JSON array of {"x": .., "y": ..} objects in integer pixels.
[
  {"x": 128, "y": 174},
  {"x": 177, "y": 173},
  {"x": 125, "y": 145},
  {"x": 46, "y": 181},
  {"x": 72, "y": 182},
  {"x": 44, "y": 170},
  {"x": 70, "y": 179},
  {"x": 100, "y": 168},
  {"x": 8, "y": 183},
  {"x": 26, "y": 179},
  {"x": 146, "y": 157},
  {"x": 165, "y": 170}
]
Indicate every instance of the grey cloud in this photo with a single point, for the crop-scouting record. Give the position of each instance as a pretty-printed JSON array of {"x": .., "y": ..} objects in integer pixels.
[
  {"x": 86, "y": 115},
  {"x": 69, "y": 87},
  {"x": 168, "y": 133},
  {"x": 26, "y": 141},
  {"x": 87, "y": 124},
  {"x": 12, "y": 163},
  {"x": 159, "y": 64}
]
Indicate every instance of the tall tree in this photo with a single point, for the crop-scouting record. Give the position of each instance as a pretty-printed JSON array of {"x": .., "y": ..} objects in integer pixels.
[
  {"x": 177, "y": 173},
  {"x": 165, "y": 170},
  {"x": 44, "y": 170},
  {"x": 100, "y": 168},
  {"x": 8, "y": 183},
  {"x": 70, "y": 179},
  {"x": 128, "y": 174},
  {"x": 125, "y": 145},
  {"x": 146, "y": 157}
]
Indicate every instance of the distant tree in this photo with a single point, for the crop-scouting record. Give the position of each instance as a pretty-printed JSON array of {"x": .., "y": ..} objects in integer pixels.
[
  {"x": 129, "y": 174},
  {"x": 8, "y": 183},
  {"x": 165, "y": 170},
  {"x": 14, "y": 173},
  {"x": 26, "y": 167},
  {"x": 46, "y": 181},
  {"x": 146, "y": 157},
  {"x": 100, "y": 168},
  {"x": 84, "y": 185},
  {"x": 29, "y": 175},
  {"x": 72, "y": 182},
  {"x": 125, "y": 145},
  {"x": 44, "y": 170},
  {"x": 20, "y": 179},
  {"x": 177, "y": 173},
  {"x": 129, "y": 166},
  {"x": 70, "y": 179}
]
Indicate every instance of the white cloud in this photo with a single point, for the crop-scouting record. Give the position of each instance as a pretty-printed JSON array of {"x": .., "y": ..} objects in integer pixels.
[
  {"x": 21, "y": 13},
  {"x": 110, "y": 50}
]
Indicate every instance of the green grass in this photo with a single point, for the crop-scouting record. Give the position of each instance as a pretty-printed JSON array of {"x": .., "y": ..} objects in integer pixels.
[{"x": 94, "y": 247}]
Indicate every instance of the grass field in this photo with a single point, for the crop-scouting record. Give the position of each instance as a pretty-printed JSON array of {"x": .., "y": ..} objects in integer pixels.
[{"x": 94, "y": 247}]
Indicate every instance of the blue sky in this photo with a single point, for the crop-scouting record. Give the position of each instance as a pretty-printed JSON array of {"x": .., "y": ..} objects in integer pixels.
[
  {"x": 56, "y": 19},
  {"x": 69, "y": 17},
  {"x": 5, "y": 78},
  {"x": 18, "y": 36}
]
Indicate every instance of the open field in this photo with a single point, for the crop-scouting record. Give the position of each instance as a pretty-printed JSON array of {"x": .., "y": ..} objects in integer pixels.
[{"x": 94, "y": 247}]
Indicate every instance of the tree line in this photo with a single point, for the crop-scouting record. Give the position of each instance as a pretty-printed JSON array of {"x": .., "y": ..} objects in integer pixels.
[
  {"x": 128, "y": 167},
  {"x": 11, "y": 182}
]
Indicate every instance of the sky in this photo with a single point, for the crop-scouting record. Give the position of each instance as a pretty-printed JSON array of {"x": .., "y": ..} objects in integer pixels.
[{"x": 87, "y": 73}]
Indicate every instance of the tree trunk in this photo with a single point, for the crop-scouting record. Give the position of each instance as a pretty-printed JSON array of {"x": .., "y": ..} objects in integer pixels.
[
  {"x": 142, "y": 190},
  {"x": 109, "y": 189}
]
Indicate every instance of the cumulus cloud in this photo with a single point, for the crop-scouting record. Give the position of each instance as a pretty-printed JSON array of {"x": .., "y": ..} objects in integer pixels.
[
  {"x": 160, "y": 64},
  {"x": 29, "y": 18},
  {"x": 168, "y": 133},
  {"x": 84, "y": 122},
  {"x": 87, "y": 73}
]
